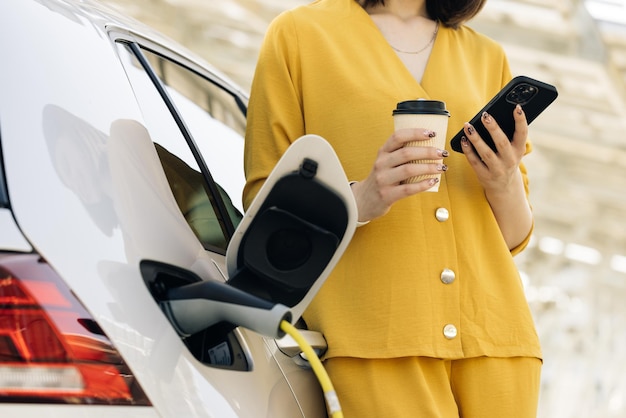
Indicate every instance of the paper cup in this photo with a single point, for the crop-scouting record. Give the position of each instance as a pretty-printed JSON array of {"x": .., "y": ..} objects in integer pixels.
[{"x": 426, "y": 114}]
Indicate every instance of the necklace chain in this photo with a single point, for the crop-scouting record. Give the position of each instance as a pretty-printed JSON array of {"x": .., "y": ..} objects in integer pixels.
[{"x": 425, "y": 46}]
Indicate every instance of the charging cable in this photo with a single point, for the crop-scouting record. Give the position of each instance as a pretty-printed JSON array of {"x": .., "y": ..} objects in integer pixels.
[{"x": 327, "y": 386}]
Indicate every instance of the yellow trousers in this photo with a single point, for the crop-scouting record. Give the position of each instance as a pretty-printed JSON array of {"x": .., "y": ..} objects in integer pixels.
[{"x": 422, "y": 387}]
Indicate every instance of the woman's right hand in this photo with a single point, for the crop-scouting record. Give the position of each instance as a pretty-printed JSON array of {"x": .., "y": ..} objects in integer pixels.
[{"x": 384, "y": 185}]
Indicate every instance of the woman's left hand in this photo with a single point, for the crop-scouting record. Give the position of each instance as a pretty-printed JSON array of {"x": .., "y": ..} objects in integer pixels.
[
  {"x": 496, "y": 171},
  {"x": 500, "y": 176}
]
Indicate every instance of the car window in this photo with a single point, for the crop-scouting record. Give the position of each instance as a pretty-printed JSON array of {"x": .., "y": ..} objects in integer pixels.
[
  {"x": 215, "y": 117},
  {"x": 203, "y": 173}
]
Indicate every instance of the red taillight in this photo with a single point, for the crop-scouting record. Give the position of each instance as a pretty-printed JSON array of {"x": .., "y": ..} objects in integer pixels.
[{"x": 51, "y": 349}]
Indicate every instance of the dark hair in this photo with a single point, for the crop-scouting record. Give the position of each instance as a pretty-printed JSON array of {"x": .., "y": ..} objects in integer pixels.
[{"x": 451, "y": 13}]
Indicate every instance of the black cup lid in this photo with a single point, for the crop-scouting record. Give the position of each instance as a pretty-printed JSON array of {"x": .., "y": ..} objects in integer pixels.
[{"x": 420, "y": 107}]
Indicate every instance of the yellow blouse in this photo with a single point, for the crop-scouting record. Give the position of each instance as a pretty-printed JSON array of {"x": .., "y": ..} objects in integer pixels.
[{"x": 414, "y": 282}]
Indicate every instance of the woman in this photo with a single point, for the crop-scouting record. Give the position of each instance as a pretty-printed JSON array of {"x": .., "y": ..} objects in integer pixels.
[{"x": 425, "y": 315}]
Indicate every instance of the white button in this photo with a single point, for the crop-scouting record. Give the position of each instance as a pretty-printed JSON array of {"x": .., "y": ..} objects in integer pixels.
[
  {"x": 447, "y": 276},
  {"x": 449, "y": 331},
  {"x": 442, "y": 214}
]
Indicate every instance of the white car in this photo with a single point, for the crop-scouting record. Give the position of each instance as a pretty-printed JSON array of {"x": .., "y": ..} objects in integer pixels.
[{"x": 120, "y": 185}]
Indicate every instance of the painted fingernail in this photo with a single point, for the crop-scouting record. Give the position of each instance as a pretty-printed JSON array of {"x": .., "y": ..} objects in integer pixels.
[
  {"x": 431, "y": 134},
  {"x": 433, "y": 181},
  {"x": 470, "y": 129},
  {"x": 486, "y": 117},
  {"x": 518, "y": 109},
  {"x": 442, "y": 167},
  {"x": 464, "y": 141},
  {"x": 443, "y": 152}
]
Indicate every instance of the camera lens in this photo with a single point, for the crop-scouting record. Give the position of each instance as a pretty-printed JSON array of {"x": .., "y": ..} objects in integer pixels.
[
  {"x": 288, "y": 249},
  {"x": 521, "y": 94}
]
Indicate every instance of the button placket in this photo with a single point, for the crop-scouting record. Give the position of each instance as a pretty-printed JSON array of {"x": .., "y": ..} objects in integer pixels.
[{"x": 448, "y": 276}]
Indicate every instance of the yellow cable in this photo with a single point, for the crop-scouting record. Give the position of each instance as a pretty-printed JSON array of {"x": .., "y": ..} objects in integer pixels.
[{"x": 327, "y": 386}]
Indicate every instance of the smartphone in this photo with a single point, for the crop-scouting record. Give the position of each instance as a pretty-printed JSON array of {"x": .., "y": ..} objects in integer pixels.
[{"x": 533, "y": 95}]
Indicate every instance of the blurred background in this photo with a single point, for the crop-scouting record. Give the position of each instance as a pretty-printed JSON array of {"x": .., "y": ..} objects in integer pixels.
[{"x": 575, "y": 267}]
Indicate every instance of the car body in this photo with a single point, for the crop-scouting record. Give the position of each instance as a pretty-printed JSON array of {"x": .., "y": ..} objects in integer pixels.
[{"x": 115, "y": 142}]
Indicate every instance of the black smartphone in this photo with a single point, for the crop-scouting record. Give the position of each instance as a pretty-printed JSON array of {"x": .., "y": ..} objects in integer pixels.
[{"x": 533, "y": 95}]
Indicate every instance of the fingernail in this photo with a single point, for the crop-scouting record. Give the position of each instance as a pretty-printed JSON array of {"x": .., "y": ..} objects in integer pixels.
[
  {"x": 486, "y": 117},
  {"x": 442, "y": 167},
  {"x": 431, "y": 134},
  {"x": 470, "y": 129},
  {"x": 464, "y": 141},
  {"x": 443, "y": 152},
  {"x": 518, "y": 109},
  {"x": 433, "y": 181}
]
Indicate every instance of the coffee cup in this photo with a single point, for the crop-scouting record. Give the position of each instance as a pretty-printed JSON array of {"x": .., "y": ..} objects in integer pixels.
[{"x": 426, "y": 114}]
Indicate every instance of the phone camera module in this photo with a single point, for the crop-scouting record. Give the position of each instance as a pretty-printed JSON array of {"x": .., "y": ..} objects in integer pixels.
[{"x": 521, "y": 94}]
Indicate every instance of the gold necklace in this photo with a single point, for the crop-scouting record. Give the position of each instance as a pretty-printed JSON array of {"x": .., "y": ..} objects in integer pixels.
[{"x": 425, "y": 46}]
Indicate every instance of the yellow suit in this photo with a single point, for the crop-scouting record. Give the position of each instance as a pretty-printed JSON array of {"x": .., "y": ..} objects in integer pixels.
[{"x": 433, "y": 277}]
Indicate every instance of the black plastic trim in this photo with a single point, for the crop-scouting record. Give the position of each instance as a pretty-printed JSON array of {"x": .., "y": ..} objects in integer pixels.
[
  {"x": 227, "y": 223},
  {"x": 4, "y": 195}
]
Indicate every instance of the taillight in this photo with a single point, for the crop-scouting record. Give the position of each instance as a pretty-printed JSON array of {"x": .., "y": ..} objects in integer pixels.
[{"x": 51, "y": 349}]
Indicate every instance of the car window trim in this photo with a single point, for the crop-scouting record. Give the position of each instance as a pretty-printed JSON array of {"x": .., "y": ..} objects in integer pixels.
[
  {"x": 134, "y": 46},
  {"x": 4, "y": 195}
]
